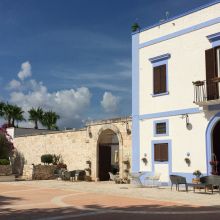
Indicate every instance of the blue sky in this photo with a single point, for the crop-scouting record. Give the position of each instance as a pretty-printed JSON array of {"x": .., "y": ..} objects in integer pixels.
[{"x": 74, "y": 56}]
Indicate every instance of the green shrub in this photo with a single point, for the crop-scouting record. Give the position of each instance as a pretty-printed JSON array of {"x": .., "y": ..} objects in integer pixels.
[
  {"x": 47, "y": 158},
  {"x": 4, "y": 162},
  {"x": 57, "y": 159}
]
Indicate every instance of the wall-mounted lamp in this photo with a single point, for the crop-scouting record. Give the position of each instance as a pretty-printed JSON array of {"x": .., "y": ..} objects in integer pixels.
[
  {"x": 188, "y": 124},
  {"x": 89, "y": 132},
  {"x": 128, "y": 128}
]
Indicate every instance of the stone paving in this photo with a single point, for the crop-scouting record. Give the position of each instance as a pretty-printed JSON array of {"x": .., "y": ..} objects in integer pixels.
[{"x": 53, "y": 200}]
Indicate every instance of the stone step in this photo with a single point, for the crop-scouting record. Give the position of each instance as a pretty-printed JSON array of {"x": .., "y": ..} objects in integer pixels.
[{"x": 9, "y": 178}]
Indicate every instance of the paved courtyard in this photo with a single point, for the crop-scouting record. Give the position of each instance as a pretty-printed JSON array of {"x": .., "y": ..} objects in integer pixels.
[{"x": 54, "y": 200}]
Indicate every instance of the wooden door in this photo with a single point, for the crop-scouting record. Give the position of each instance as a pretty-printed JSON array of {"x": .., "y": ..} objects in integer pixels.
[{"x": 104, "y": 162}]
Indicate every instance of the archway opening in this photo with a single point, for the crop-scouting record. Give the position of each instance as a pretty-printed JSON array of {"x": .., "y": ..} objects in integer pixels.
[
  {"x": 108, "y": 154},
  {"x": 216, "y": 149}
]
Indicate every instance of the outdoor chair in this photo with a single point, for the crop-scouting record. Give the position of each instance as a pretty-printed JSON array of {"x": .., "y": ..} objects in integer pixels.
[
  {"x": 208, "y": 182},
  {"x": 72, "y": 175},
  {"x": 136, "y": 179},
  {"x": 153, "y": 180},
  {"x": 80, "y": 175},
  {"x": 178, "y": 180},
  {"x": 66, "y": 175},
  {"x": 114, "y": 177}
]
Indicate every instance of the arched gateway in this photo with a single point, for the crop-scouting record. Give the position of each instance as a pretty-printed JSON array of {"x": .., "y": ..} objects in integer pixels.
[{"x": 109, "y": 150}]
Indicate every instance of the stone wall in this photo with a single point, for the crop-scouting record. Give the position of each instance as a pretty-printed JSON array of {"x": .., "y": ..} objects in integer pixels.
[
  {"x": 76, "y": 147},
  {"x": 43, "y": 172},
  {"x": 28, "y": 172},
  {"x": 5, "y": 170}
]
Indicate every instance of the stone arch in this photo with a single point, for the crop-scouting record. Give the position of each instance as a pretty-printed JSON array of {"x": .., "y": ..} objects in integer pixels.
[
  {"x": 110, "y": 127},
  {"x": 116, "y": 131}
]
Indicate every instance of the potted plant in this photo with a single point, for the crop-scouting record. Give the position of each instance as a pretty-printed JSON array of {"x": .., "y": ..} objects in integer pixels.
[
  {"x": 188, "y": 161},
  {"x": 144, "y": 160},
  {"x": 197, "y": 174}
]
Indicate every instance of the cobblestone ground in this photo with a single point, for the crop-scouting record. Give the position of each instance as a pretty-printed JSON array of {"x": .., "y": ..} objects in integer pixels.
[{"x": 54, "y": 200}]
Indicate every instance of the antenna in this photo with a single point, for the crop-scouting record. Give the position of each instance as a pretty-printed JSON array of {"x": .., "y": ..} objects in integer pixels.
[{"x": 167, "y": 15}]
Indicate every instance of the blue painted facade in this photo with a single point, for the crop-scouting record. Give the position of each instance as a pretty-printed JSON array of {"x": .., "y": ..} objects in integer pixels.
[{"x": 164, "y": 116}]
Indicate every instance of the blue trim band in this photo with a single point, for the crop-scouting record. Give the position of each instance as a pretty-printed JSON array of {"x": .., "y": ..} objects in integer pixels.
[
  {"x": 135, "y": 105},
  {"x": 214, "y": 37},
  {"x": 170, "y": 113},
  {"x": 179, "y": 16},
  {"x": 160, "y": 58},
  {"x": 181, "y": 32}
]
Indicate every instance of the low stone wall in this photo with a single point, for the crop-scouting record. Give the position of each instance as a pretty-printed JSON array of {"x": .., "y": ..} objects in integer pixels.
[
  {"x": 28, "y": 172},
  {"x": 43, "y": 172},
  {"x": 5, "y": 170}
]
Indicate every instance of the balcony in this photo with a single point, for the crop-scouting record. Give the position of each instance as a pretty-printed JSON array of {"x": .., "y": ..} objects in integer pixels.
[{"x": 207, "y": 92}]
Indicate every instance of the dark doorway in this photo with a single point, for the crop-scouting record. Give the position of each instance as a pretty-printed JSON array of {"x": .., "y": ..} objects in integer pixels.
[
  {"x": 216, "y": 149},
  {"x": 108, "y": 154},
  {"x": 104, "y": 162}
]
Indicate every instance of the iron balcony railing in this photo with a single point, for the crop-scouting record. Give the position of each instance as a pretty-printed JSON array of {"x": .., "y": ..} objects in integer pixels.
[{"x": 205, "y": 91}]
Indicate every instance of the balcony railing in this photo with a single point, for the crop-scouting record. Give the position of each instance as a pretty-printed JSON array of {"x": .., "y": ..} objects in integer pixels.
[{"x": 206, "y": 92}]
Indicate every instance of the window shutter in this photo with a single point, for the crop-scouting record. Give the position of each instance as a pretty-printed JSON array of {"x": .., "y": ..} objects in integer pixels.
[
  {"x": 164, "y": 152},
  {"x": 211, "y": 72},
  {"x": 156, "y": 80},
  {"x": 161, "y": 152},
  {"x": 157, "y": 152},
  {"x": 160, "y": 79},
  {"x": 163, "y": 80}
]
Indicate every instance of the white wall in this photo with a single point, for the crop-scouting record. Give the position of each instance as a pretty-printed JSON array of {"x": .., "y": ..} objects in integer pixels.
[
  {"x": 187, "y": 64},
  {"x": 183, "y": 141}
]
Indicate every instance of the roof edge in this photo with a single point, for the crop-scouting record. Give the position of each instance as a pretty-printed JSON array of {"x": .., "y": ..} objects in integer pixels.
[{"x": 179, "y": 16}]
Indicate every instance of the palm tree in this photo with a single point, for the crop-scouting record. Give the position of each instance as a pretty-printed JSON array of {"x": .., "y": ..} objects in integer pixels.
[
  {"x": 17, "y": 115},
  {"x": 36, "y": 115},
  {"x": 2, "y": 105},
  {"x": 49, "y": 120},
  {"x": 7, "y": 112},
  {"x": 13, "y": 113}
]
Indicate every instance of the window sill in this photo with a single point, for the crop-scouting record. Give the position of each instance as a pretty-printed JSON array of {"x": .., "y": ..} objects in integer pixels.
[
  {"x": 161, "y": 135},
  {"x": 160, "y": 94},
  {"x": 161, "y": 162}
]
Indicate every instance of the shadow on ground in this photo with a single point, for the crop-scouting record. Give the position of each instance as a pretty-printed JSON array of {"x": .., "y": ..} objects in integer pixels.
[{"x": 98, "y": 212}]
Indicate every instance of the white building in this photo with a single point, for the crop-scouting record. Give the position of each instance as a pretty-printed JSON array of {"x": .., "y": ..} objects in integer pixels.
[{"x": 174, "y": 120}]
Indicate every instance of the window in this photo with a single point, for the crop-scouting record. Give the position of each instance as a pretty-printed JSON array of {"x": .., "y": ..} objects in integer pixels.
[
  {"x": 160, "y": 81},
  {"x": 161, "y": 152},
  {"x": 161, "y": 128}
]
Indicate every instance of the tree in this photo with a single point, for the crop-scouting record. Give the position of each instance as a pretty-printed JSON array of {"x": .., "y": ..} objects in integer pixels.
[
  {"x": 17, "y": 115},
  {"x": 6, "y": 145},
  {"x": 2, "y": 105},
  {"x": 36, "y": 115},
  {"x": 49, "y": 120},
  {"x": 7, "y": 112},
  {"x": 12, "y": 113}
]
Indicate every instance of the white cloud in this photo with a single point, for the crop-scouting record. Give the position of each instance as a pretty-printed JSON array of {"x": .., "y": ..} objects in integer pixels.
[
  {"x": 25, "y": 70},
  {"x": 109, "y": 102},
  {"x": 69, "y": 104},
  {"x": 14, "y": 84}
]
